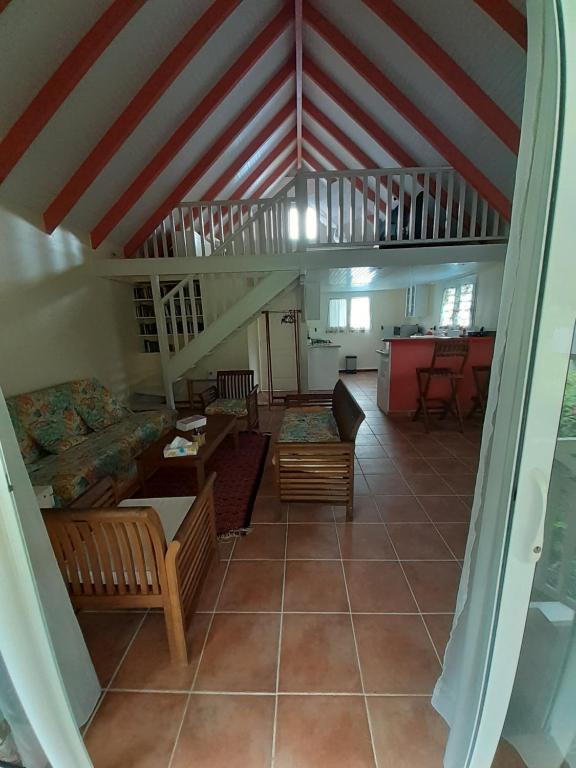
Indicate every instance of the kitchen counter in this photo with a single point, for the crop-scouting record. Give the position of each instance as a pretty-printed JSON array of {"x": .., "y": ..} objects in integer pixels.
[{"x": 397, "y": 385}]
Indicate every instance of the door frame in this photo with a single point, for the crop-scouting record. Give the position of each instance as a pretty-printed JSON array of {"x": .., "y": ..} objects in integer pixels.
[{"x": 549, "y": 359}]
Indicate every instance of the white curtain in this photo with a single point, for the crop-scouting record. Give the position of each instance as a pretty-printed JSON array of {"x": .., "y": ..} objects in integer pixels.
[
  {"x": 41, "y": 646},
  {"x": 458, "y": 694}
]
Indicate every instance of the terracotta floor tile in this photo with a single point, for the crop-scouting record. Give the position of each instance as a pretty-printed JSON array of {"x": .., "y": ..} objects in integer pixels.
[
  {"x": 462, "y": 483},
  {"x": 135, "y": 729},
  {"x": 211, "y": 586},
  {"x": 400, "y": 509},
  {"x": 340, "y": 728},
  {"x": 379, "y": 466},
  {"x": 456, "y": 536},
  {"x": 366, "y": 439},
  {"x": 396, "y": 654},
  {"x": 240, "y": 654},
  {"x": 446, "y": 509},
  {"x": 425, "y": 485},
  {"x": 361, "y": 486},
  {"x": 507, "y": 757},
  {"x": 318, "y": 654},
  {"x": 370, "y": 452},
  {"x": 268, "y": 485},
  {"x": 403, "y": 450},
  {"x": 107, "y": 636},
  {"x": 365, "y": 511},
  {"x": 314, "y": 586},
  {"x": 413, "y": 465},
  {"x": 378, "y": 587},
  {"x": 268, "y": 509},
  {"x": 252, "y": 585},
  {"x": 408, "y": 732},
  {"x": 439, "y": 625},
  {"x": 263, "y": 542},
  {"x": 148, "y": 665},
  {"x": 435, "y": 585},
  {"x": 365, "y": 542},
  {"x": 311, "y": 513},
  {"x": 312, "y": 541},
  {"x": 467, "y": 500},
  {"x": 387, "y": 484},
  {"x": 418, "y": 541},
  {"x": 446, "y": 465},
  {"x": 226, "y": 732}
]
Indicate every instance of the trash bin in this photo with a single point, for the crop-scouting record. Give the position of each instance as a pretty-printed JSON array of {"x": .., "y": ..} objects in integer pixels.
[{"x": 351, "y": 363}]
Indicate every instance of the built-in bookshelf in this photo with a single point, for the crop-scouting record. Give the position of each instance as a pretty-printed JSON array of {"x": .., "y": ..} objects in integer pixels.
[{"x": 187, "y": 314}]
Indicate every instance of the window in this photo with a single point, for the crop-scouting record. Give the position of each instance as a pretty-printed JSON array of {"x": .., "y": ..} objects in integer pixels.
[
  {"x": 310, "y": 223},
  {"x": 349, "y": 314},
  {"x": 458, "y": 305},
  {"x": 360, "y": 313},
  {"x": 337, "y": 314}
]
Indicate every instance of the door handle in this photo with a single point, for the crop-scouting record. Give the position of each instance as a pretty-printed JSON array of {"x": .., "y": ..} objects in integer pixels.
[{"x": 537, "y": 512}]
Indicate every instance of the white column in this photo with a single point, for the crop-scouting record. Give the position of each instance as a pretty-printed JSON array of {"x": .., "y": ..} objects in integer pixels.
[
  {"x": 162, "y": 339},
  {"x": 301, "y": 206}
]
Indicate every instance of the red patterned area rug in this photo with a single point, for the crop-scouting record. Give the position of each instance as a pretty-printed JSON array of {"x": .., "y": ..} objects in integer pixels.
[{"x": 238, "y": 475}]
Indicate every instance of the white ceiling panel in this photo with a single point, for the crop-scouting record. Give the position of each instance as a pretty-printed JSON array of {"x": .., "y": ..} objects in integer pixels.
[
  {"x": 35, "y": 38},
  {"x": 486, "y": 53},
  {"x": 426, "y": 90}
]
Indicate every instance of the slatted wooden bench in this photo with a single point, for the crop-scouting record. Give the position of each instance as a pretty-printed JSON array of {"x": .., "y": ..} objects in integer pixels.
[
  {"x": 118, "y": 557},
  {"x": 314, "y": 454}
]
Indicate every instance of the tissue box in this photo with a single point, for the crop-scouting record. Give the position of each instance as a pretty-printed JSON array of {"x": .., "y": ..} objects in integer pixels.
[
  {"x": 180, "y": 447},
  {"x": 191, "y": 422}
]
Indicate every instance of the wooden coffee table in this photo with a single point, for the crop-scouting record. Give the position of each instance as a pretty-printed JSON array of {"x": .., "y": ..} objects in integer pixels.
[{"x": 152, "y": 459}]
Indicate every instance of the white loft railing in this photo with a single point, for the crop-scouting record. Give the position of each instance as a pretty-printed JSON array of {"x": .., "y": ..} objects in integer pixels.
[{"x": 333, "y": 209}]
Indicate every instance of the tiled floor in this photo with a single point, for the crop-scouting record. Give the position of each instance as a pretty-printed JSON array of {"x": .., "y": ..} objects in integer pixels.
[{"x": 318, "y": 642}]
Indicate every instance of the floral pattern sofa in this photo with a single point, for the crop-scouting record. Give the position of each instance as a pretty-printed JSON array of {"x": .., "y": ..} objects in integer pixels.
[{"x": 73, "y": 434}]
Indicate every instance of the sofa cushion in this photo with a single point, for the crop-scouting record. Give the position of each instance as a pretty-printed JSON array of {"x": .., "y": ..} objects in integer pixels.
[
  {"x": 95, "y": 404},
  {"x": 228, "y": 407},
  {"x": 303, "y": 425},
  {"x": 29, "y": 448},
  {"x": 55, "y": 435},
  {"x": 110, "y": 451},
  {"x": 52, "y": 403}
]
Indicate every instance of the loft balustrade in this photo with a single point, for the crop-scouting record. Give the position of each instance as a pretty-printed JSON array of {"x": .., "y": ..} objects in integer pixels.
[{"x": 379, "y": 208}]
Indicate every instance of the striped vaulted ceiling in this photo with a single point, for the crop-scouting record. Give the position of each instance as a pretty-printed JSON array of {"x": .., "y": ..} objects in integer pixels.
[{"x": 110, "y": 110}]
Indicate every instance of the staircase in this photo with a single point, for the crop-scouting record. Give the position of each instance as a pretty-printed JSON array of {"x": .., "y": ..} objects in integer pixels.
[{"x": 182, "y": 348}]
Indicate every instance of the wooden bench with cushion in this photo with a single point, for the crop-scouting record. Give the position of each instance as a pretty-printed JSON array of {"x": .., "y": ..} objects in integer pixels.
[
  {"x": 234, "y": 394},
  {"x": 314, "y": 453},
  {"x": 119, "y": 557}
]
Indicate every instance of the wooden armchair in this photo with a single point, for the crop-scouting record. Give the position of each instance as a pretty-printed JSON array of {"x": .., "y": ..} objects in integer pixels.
[
  {"x": 118, "y": 557},
  {"x": 234, "y": 394},
  {"x": 322, "y": 470}
]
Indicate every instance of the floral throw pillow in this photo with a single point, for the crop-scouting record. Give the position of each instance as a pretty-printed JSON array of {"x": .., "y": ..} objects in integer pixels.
[
  {"x": 95, "y": 404},
  {"x": 57, "y": 434}
]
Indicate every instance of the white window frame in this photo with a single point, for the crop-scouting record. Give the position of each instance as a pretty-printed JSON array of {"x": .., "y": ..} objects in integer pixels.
[
  {"x": 457, "y": 285},
  {"x": 347, "y": 328}
]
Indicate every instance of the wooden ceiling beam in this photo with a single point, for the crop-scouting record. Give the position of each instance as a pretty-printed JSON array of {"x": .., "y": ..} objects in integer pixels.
[
  {"x": 209, "y": 157},
  {"x": 394, "y": 96},
  {"x": 508, "y": 17},
  {"x": 59, "y": 86},
  {"x": 129, "y": 119},
  {"x": 190, "y": 125},
  {"x": 448, "y": 70},
  {"x": 298, "y": 48}
]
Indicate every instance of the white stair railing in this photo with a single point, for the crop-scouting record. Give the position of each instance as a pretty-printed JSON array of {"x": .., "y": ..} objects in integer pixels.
[{"x": 337, "y": 209}]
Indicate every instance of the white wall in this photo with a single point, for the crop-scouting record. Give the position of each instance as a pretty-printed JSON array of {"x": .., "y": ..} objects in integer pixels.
[
  {"x": 387, "y": 308},
  {"x": 488, "y": 291},
  {"x": 57, "y": 322}
]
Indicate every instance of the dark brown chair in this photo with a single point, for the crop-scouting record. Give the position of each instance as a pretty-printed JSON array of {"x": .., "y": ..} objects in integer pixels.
[
  {"x": 234, "y": 394},
  {"x": 481, "y": 375},
  {"x": 455, "y": 353}
]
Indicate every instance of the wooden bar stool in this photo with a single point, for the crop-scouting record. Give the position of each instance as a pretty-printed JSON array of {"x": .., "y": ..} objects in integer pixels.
[
  {"x": 456, "y": 352},
  {"x": 481, "y": 375}
]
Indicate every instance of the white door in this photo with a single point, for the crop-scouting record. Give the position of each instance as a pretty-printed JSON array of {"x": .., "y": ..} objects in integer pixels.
[{"x": 508, "y": 685}]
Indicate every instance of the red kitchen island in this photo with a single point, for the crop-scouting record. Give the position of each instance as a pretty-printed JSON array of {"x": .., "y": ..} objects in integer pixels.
[{"x": 399, "y": 358}]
